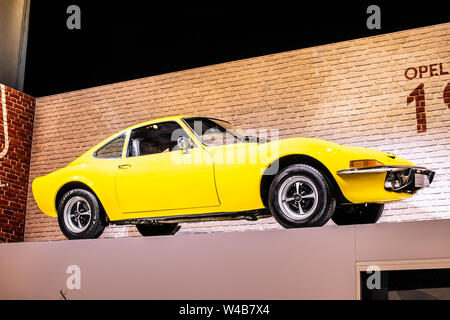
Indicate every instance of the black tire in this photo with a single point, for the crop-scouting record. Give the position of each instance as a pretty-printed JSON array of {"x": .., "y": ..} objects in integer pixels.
[
  {"x": 316, "y": 211},
  {"x": 157, "y": 229},
  {"x": 357, "y": 214},
  {"x": 77, "y": 203}
]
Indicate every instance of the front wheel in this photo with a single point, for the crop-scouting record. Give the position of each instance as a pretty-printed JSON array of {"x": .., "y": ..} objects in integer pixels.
[
  {"x": 300, "y": 196},
  {"x": 357, "y": 214},
  {"x": 158, "y": 229},
  {"x": 79, "y": 215}
]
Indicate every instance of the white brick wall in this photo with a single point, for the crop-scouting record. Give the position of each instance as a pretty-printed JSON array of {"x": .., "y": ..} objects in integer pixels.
[{"x": 353, "y": 93}]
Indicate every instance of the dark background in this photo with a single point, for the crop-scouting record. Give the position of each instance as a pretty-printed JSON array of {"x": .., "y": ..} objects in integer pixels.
[{"x": 128, "y": 39}]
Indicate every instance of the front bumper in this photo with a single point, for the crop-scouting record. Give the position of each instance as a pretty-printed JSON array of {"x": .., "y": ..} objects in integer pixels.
[{"x": 399, "y": 178}]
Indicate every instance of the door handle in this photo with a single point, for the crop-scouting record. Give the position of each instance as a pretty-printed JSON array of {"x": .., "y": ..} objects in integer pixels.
[{"x": 124, "y": 166}]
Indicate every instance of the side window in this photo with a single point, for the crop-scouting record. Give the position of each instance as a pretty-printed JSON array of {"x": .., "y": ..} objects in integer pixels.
[
  {"x": 112, "y": 149},
  {"x": 156, "y": 138}
]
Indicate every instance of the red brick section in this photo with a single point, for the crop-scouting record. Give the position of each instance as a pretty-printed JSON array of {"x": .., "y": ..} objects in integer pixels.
[
  {"x": 418, "y": 94},
  {"x": 14, "y": 166},
  {"x": 447, "y": 95},
  {"x": 351, "y": 92}
]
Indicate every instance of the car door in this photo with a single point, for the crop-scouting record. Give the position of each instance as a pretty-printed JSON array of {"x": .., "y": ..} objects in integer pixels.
[{"x": 155, "y": 175}]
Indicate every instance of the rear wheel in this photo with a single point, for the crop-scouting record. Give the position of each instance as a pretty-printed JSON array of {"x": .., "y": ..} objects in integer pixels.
[
  {"x": 158, "y": 229},
  {"x": 79, "y": 215},
  {"x": 357, "y": 214},
  {"x": 300, "y": 196}
]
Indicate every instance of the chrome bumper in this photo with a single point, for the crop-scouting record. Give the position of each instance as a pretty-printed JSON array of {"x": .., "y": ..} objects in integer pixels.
[
  {"x": 400, "y": 178},
  {"x": 380, "y": 169}
]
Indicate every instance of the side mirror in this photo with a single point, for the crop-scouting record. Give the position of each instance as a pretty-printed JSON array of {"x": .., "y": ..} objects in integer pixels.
[{"x": 183, "y": 144}]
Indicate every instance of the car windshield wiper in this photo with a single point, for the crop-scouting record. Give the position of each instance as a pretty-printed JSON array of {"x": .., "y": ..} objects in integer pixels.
[{"x": 254, "y": 139}]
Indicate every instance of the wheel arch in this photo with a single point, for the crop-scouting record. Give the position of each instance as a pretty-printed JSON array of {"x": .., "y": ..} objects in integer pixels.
[
  {"x": 79, "y": 185},
  {"x": 288, "y": 160}
]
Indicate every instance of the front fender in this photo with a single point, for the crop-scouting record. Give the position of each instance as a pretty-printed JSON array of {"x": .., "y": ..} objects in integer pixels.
[{"x": 356, "y": 188}]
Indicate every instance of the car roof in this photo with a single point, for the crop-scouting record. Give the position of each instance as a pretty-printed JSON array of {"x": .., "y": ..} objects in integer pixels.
[
  {"x": 163, "y": 119},
  {"x": 169, "y": 118}
]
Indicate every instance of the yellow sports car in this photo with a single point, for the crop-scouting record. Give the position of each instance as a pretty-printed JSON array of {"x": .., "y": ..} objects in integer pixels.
[{"x": 177, "y": 169}]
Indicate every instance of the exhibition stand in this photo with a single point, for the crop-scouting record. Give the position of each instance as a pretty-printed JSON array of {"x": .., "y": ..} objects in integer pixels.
[{"x": 310, "y": 263}]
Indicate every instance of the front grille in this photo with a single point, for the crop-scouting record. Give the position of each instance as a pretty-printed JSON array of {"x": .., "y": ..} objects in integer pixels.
[{"x": 405, "y": 180}]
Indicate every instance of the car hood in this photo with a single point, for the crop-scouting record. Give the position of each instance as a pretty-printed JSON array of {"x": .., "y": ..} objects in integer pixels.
[{"x": 351, "y": 151}]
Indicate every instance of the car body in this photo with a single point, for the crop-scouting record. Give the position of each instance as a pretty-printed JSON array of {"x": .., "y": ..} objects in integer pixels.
[{"x": 193, "y": 178}]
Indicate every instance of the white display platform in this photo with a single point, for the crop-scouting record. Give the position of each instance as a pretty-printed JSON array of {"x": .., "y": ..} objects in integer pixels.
[{"x": 312, "y": 263}]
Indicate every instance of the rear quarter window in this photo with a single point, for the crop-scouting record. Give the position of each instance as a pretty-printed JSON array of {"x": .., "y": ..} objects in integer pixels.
[{"x": 112, "y": 149}]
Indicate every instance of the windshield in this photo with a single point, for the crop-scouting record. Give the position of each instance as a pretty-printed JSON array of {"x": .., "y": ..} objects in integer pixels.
[{"x": 214, "y": 131}]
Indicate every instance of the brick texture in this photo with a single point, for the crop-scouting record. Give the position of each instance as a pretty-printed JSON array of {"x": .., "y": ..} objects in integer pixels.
[
  {"x": 353, "y": 92},
  {"x": 15, "y": 152}
]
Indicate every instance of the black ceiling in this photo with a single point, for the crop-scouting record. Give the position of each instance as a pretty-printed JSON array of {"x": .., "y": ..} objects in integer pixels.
[{"x": 127, "y": 40}]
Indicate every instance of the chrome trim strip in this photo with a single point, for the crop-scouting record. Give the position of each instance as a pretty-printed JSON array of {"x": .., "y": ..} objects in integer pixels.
[{"x": 379, "y": 169}]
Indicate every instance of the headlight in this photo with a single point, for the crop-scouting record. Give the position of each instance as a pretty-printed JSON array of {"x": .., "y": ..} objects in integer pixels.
[
  {"x": 396, "y": 181},
  {"x": 367, "y": 163}
]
